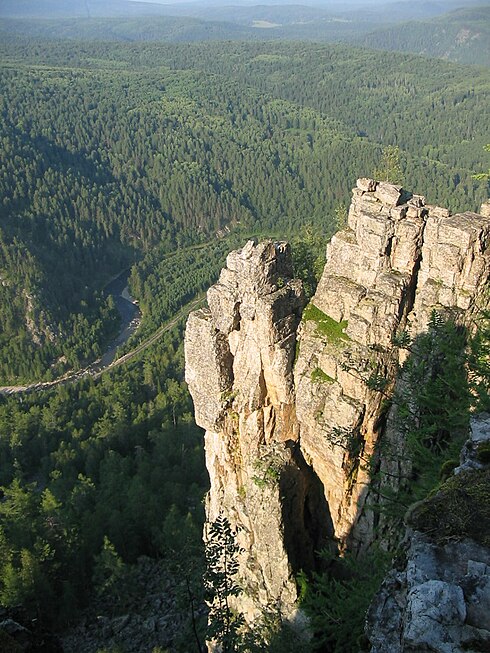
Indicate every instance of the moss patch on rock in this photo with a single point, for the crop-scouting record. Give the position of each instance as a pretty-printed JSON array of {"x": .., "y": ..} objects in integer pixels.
[
  {"x": 319, "y": 376},
  {"x": 326, "y": 326},
  {"x": 459, "y": 509}
]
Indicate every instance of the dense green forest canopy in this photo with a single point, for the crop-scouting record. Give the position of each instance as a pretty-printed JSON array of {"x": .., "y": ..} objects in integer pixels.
[
  {"x": 462, "y": 35},
  {"x": 120, "y": 459},
  {"x": 109, "y": 150},
  {"x": 449, "y": 29}
]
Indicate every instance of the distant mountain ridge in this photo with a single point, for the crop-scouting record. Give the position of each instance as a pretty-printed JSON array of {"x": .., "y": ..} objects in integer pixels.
[
  {"x": 462, "y": 36},
  {"x": 422, "y": 27}
]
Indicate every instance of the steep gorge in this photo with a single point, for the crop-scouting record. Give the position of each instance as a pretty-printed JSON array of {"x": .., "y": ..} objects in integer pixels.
[{"x": 294, "y": 399}]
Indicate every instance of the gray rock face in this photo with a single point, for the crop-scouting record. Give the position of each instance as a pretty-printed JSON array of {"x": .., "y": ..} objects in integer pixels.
[
  {"x": 479, "y": 433},
  {"x": 435, "y": 613},
  {"x": 440, "y": 600}
]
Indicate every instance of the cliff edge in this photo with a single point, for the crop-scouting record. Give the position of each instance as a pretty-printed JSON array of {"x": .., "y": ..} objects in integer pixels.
[{"x": 294, "y": 399}]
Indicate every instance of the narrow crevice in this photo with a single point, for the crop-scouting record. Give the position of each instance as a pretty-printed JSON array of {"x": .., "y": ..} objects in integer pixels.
[
  {"x": 308, "y": 525},
  {"x": 413, "y": 285}
]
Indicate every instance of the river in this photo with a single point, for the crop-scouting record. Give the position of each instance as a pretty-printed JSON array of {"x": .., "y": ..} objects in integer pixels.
[
  {"x": 130, "y": 317},
  {"x": 130, "y": 321}
]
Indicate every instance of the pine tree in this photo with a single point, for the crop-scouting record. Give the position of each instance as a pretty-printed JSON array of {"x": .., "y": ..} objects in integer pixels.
[
  {"x": 221, "y": 584},
  {"x": 389, "y": 168}
]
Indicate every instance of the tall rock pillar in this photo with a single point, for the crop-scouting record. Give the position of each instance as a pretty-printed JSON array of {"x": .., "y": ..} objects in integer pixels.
[{"x": 239, "y": 367}]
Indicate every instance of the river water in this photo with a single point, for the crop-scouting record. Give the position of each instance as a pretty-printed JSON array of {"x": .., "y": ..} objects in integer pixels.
[
  {"x": 130, "y": 321},
  {"x": 130, "y": 317}
]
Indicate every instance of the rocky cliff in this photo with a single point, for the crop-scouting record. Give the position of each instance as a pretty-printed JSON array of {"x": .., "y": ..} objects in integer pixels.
[
  {"x": 294, "y": 399},
  {"x": 438, "y": 596},
  {"x": 239, "y": 367}
]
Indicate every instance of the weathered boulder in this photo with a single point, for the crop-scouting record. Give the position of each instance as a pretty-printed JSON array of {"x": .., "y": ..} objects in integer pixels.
[
  {"x": 440, "y": 599},
  {"x": 437, "y": 602},
  {"x": 435, "y": 613},
  {"x": 388, "y": 193}
]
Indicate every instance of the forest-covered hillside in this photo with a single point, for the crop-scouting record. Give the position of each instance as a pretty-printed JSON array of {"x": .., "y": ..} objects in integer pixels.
[
  {"x": 111, "y": 149},
  {"x": 379, "y": 25},
  {"x": 462, "y": 35}
]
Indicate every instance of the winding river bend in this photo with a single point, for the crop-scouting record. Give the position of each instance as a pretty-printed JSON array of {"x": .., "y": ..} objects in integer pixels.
[
  {"x": 129, "y": 312},
  {"x": 130, "y": 321}
]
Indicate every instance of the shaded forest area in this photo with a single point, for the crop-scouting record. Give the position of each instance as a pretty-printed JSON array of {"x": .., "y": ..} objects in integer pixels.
[{"x": 116, "y": 464}]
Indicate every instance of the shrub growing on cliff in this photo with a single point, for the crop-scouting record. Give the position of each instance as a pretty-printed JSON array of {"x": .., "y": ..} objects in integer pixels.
[
  {"x": 336, "y": 601},
  {"x": 446, "y": 376},
  {"x": 479, "y": 363},
  {"x": 435, "y": 409},
  {"x": 308, "y": 251}
]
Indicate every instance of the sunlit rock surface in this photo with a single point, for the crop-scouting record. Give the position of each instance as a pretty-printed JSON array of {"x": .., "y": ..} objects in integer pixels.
[{"x": 295, "y": 401}]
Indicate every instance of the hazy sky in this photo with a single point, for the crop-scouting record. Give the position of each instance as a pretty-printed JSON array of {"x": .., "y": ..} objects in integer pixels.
[{"x": 325, "y": 3}]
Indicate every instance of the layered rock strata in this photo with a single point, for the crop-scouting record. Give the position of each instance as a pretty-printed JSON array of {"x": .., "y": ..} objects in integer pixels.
[
  {"x": 397, "y": 261},
  {"x": 287, "y": 450}
]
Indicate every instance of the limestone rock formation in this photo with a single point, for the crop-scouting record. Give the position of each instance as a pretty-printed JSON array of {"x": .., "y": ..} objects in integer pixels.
[
  {"x": 287, "y": 442},
  {"x": 397, "y": 260}
]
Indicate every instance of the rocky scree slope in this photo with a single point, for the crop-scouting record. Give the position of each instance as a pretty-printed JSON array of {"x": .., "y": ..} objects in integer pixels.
[{"x": 293, "y": 400}]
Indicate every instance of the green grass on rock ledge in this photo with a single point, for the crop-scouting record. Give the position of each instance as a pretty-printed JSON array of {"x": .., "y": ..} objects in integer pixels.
[{"x": 326, "y": 326}]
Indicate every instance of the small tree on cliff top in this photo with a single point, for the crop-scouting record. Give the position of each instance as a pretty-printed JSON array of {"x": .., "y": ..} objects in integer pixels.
[
  {"x": 389, "y": 168},
  {"x": 483, "y": 176}
]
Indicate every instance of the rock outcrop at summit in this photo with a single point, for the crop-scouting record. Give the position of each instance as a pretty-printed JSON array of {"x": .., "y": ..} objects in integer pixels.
[
  {"x": 397, "y": 261},
  {"x": 287, "y": 442}
]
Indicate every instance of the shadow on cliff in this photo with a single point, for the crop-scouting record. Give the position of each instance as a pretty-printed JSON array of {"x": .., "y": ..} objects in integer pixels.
[
  {"x": 308, "y": 526},
  {"x": 419, "y": 440},
  {"x": 420, "y": 436}
]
